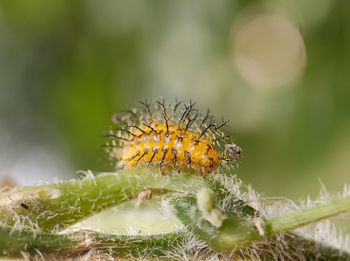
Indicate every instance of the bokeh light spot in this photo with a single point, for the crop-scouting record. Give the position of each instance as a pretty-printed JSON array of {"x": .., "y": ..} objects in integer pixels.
[{"x": 268, "y": 49}]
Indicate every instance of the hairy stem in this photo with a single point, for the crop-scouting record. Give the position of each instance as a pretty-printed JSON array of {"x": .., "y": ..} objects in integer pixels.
[
  {"x": 28, "y": 214},
  {"x": 13, "y": 242},
  {"x": 57, "y": 206},
  {"x": 236, "y": 232},
  {"x": 306, "y": 216}
]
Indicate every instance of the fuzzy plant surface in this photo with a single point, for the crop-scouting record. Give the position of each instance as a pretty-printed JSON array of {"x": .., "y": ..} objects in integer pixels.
[{"x": 215, "y": 218}]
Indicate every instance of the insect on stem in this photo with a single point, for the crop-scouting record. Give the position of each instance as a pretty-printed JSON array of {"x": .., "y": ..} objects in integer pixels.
[{"x": 192, "y": 142}]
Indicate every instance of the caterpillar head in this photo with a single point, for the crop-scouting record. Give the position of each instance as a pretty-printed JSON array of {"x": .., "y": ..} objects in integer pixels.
[{"x": 234, "y": 152}]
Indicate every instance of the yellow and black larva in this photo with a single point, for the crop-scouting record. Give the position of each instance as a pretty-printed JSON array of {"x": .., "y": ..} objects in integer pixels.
[{"x": 153, "y": 137}]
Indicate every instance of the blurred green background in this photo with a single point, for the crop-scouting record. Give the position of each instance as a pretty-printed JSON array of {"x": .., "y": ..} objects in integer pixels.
[{"x": 278, "y": 70}]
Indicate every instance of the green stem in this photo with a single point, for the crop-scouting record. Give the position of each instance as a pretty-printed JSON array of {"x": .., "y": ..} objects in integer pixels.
[
  {"x": 157, "y": 245},
  {"x": 307, "y": 216},
  {"x": 60, "y": 205},
  {"x": 236, "y": 232},
  {"x": 13, "y": 242}
]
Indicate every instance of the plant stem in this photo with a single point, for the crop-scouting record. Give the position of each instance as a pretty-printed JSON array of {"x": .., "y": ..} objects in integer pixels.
[
  {"x": 34, "y": 211},
  {"x": 13, "y": 242},
  {"x": 307, "y": 216},
  {"x": 236, "y": 232},
  {"x": 57, "y": 206}
]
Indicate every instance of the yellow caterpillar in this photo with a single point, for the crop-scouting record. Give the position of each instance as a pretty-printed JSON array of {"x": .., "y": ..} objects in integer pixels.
[{"x": 155, "y": 138}]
